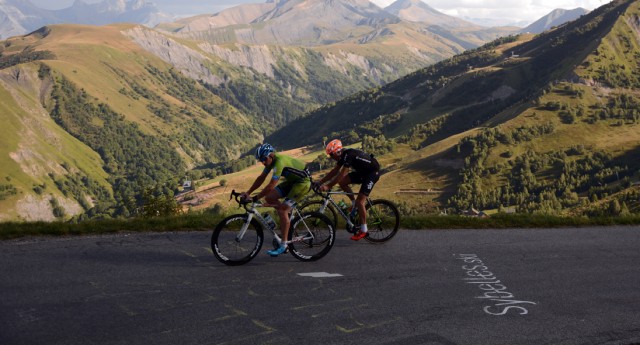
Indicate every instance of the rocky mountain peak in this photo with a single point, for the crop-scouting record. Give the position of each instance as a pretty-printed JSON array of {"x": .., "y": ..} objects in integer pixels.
[
  {"x": 294, "y": 22},
  {"x": 419, "y": 11},
  {"x": 408, "y": 4},
  {"x": 319, "y": 10},
  {"x": 555, "y": 18}
]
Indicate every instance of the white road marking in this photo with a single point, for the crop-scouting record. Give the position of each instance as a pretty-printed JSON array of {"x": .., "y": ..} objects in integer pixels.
[{"x": 320, "y": 275}]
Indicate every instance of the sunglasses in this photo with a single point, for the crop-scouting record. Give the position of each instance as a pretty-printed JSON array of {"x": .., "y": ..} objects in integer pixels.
[{"x": 263, "y": 159}]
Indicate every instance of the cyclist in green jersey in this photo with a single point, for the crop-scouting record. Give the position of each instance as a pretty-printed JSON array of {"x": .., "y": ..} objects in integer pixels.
[{"x": 288, "y": 180}]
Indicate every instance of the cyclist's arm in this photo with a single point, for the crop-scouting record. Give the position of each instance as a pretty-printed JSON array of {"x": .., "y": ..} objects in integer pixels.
[
  {"x": 330, "y": 175},
  {"x": 341, "y": 173},
  {"x": 268, "y": 188},
  {"x": 258, "y": 182}
]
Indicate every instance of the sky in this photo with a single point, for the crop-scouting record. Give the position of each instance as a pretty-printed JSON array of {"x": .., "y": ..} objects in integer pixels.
[{"x": 506, "y": 12}]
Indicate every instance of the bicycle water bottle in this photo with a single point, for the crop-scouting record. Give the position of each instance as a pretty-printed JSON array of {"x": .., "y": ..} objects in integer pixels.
[
  {"x": 267, "y": 218},
  {"x": 343, "y": 206}
]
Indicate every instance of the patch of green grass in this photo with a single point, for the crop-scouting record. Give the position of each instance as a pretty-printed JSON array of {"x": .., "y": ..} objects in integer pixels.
[
  {"x": 206, "y": 222},
  {"x": 505, "y": 221},
  {"x": 192, "y": 221}
]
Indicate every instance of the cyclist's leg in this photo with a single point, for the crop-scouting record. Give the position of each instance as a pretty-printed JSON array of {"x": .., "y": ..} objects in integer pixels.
[
  {"x": 345, "y": 182},
  {"x": 360, "y": 208},
  {"x": 358, "y": 202},
  {"x": 291, "y": 192},
  {"x": 298, "y": 192},
  {"x": 294, "y": 193},
  {"x": 368, "y": 182},
  {"x": 273, "y": 198}
]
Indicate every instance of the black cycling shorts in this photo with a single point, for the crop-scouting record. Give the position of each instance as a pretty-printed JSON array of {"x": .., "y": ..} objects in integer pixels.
[{"x": 367, "y": 180}]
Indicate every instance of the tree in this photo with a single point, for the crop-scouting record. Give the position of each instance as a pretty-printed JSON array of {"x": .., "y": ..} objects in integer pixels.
[{"x": 614, "y": 207}]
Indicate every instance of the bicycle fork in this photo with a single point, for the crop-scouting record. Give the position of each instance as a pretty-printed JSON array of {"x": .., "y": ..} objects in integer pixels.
[{"x": 244, "y": 228}]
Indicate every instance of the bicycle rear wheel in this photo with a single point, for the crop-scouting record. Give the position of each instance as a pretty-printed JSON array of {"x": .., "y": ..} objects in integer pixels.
[
  {"x": 383, "y": 220},
  {"x": 229, "y": 248},
  {"x": 312, "y": 235}
]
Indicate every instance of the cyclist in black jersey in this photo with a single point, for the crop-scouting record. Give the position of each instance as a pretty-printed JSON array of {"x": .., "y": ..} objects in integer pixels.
[{"x": 353, "y": 166}]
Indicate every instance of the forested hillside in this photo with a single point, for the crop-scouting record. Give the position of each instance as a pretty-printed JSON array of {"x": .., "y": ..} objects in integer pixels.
[
  {"x": 107, "y": 119},
  {"x": 148, "y": 124},
  {"x": 547, "y": 123}
]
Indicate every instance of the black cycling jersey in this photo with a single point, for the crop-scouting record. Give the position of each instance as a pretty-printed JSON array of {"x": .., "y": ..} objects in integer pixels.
[{"x": 359, "y": 161}]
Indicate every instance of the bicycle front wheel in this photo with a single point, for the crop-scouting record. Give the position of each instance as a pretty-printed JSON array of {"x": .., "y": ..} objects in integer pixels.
[
  {"x": 383, "y": 220},
  {"x": 318, "y": 206},
  {"x": 231, "y": 245},
  {"x": 312, "y": 235}
]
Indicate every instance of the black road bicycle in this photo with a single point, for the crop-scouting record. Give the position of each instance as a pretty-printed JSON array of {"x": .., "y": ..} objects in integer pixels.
[{"x": 383, "y": 218}]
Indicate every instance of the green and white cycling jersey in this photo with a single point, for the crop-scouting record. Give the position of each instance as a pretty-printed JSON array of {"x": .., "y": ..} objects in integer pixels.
[{"x": 287, "y": 169}]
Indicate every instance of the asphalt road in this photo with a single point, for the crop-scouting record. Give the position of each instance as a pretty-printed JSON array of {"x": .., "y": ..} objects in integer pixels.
[{"x": 516, "y": 286}]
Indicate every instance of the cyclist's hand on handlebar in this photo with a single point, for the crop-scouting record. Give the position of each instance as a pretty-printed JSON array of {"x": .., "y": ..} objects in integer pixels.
[
  {"x": 244, "y": 196},
  {"x": 248, "y": 198},
  {"x": 324, "y": 188}
]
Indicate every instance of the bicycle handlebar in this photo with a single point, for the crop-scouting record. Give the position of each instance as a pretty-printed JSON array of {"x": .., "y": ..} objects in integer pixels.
[
  {"x": 253, "y": 201},
  {"x": 243, "y": 202},
  {"x": 316, "y": 189}
]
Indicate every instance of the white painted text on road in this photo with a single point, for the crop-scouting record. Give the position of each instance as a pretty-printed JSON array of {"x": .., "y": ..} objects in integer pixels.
[{"x": 491, "y": 288}]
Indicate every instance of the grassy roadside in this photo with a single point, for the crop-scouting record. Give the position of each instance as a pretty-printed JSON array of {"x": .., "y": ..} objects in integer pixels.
[
  {"x": 200, "y": 221},
  {"x": 504, "y": 221},
  {"x": 206, "y": 222}
]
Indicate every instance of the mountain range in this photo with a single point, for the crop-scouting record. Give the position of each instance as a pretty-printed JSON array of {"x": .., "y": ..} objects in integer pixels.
[
  {"x": 323, "y": 23},
  {"x": 100, "y": 119},
  {"x": 19, "y": 17}
]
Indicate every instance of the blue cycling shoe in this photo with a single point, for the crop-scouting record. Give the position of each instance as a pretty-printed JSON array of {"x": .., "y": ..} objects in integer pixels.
[{"x": 276, "y": 252}]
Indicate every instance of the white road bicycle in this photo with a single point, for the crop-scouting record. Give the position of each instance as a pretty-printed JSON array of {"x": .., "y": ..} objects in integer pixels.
[{"x": 238, "y": 238}]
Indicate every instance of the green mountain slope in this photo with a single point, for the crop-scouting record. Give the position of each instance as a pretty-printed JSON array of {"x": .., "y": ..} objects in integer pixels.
[
  {"x": 150, "y": 109},
  {"x": 156, "y": 108},
  {"x": 113, "y": 121},
  {"x": 36, "y": 154},
  {"x": 534, "y": 123}
]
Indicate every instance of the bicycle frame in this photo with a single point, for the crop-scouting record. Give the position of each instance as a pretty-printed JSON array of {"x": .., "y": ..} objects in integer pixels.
[
  {"x": 329, "y": 200},
  {"x": 382, "y": 216},
  {"x": 253, "y": 212}
]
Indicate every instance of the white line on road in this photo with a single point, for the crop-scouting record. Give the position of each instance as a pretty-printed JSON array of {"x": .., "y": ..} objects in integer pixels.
[{"x": 320, "y": 275}]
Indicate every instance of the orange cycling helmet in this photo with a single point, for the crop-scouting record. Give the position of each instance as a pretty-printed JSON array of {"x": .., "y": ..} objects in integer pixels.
[{"x": 334, "y": 146}]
